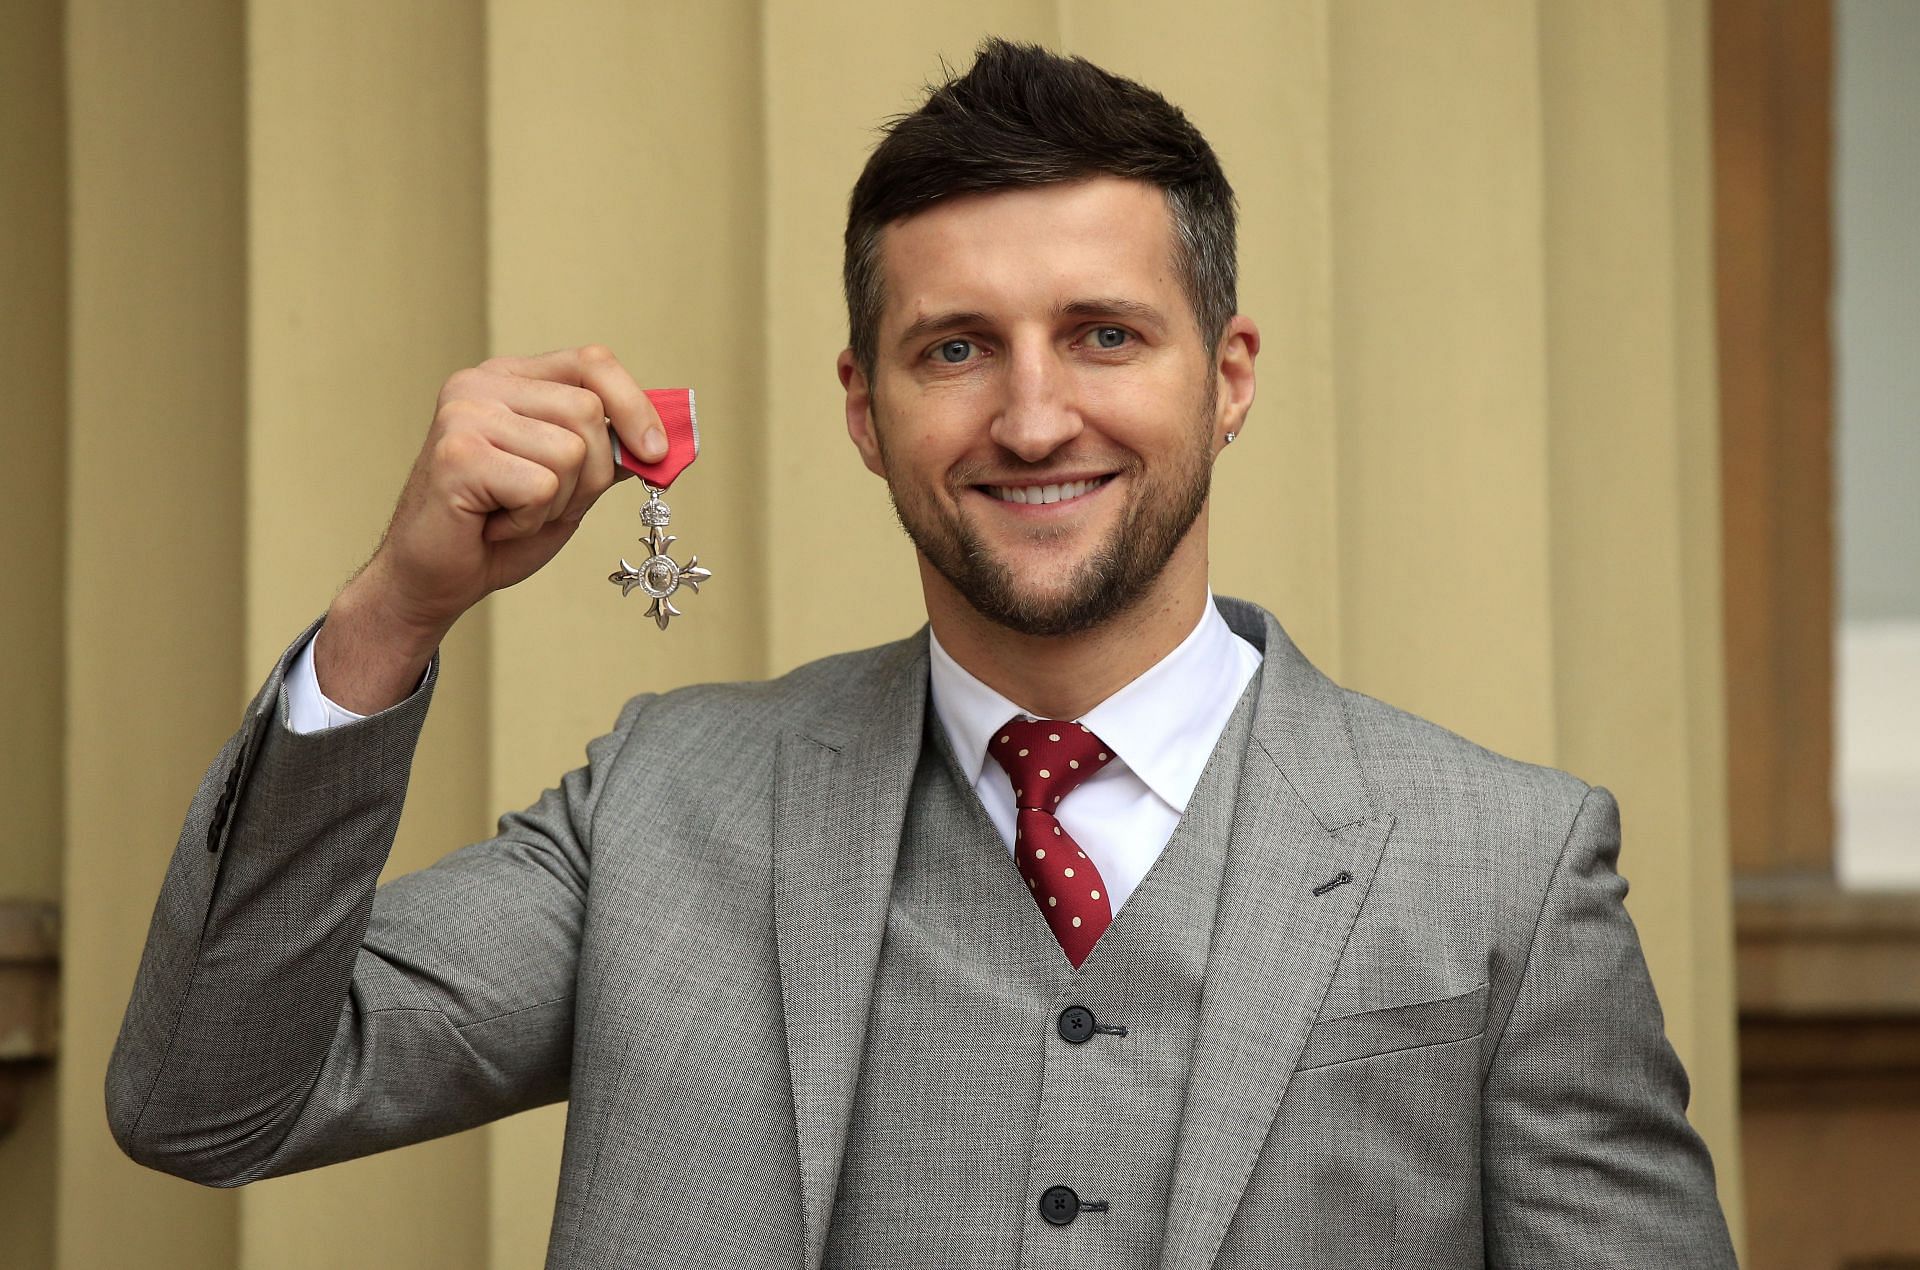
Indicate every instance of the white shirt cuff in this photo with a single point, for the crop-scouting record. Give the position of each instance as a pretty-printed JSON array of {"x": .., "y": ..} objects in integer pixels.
[{"x": 308, "y": 709}]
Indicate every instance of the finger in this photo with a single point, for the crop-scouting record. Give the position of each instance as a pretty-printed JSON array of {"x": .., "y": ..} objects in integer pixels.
[
  {"x": 479, "y": 433},
  {"x": 579, "y": 411},
  {"x": 559, "y": 450},
  {"x": 499, "y": 529},
  {"x": 595, "y": 367},
  {"x": 518, "y": 495},
  {"x": 629, "y": 412}
]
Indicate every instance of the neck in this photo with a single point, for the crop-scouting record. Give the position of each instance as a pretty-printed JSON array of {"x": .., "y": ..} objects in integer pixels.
[{"x": 1064, "y": 676}]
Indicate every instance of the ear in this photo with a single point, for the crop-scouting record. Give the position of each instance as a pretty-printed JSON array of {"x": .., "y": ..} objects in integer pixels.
[
  {"x": 860, "y": 412},
  {"x": 1234, "y": 380}
]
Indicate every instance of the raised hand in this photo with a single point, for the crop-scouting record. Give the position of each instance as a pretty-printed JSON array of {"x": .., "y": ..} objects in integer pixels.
[{"x": 517, "y": 453}]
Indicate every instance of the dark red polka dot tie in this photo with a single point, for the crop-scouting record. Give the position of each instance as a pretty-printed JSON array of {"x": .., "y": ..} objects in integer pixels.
[{"x": 1046, "y": 759}]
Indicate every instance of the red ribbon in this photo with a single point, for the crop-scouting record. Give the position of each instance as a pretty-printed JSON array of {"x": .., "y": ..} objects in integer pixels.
[{"x": 675, "y": 408}]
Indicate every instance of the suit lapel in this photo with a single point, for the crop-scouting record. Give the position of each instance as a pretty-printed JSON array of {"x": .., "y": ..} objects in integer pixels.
[
  {"x": 839, "y": 805},
  {"x": 1303, "y": 819}
]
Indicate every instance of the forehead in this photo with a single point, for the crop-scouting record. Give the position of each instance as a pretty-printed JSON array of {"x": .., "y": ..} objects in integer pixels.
[{"x": 1002, "y": 251}]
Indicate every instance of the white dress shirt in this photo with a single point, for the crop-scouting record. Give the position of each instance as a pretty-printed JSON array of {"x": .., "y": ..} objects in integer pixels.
[
  {"x": 309, "y": 709},
  {"x": 1161, "y": 729}
]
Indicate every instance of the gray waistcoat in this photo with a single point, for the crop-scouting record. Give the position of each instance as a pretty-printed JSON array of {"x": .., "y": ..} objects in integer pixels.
[{"x": 970, "y": 1103}]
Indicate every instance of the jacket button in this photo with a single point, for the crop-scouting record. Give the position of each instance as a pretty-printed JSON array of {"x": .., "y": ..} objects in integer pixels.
[
  {"x": 1059, "y": 1205},
  {"x": 1075, "y": 1024}
]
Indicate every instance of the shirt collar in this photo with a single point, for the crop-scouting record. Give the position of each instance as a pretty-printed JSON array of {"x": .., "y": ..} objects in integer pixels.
[{"x": 1162, "y": 726}]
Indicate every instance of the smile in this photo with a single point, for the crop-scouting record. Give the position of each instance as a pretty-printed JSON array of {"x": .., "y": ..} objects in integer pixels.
[{"x": 1037, "y": 494}]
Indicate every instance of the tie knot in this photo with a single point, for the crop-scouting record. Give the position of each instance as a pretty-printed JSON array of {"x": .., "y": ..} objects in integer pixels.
[{"x": 1046, "y": 758}]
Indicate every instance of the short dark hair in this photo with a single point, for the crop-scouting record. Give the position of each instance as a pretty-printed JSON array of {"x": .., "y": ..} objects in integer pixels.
[{"x": 1022, "y": 115}]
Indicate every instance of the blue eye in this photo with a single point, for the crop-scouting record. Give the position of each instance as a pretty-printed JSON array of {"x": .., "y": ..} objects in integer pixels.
[
  {"x": 953, "y": 352},
  {"x": 1109, "y": 336}
]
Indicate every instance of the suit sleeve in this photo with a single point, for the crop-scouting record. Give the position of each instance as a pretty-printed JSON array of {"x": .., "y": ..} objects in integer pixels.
[
  {"x": 287, "y": 1014},
  {"x": 1587, "y": 1155}
]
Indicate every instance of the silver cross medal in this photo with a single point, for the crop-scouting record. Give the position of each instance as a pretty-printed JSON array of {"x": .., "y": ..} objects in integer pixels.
[{"x": 658, "y": 575}]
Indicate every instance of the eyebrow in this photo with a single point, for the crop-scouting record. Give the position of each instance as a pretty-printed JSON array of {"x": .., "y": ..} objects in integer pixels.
[
  {"x": 1114, "y": 306},
  {"x": 934, "y": 323},
  {"x": 1093, "y": 307}
]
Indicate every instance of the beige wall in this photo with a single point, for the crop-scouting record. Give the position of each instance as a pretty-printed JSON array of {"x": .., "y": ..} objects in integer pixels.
[
  {"x": 154, "y": 527},
  {"x": 33, "y": 499},
  {"x": 1479, "y": 481}
]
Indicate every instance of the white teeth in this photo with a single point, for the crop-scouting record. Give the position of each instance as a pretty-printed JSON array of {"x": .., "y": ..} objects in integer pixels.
[{"x": 1040, "y": 493}]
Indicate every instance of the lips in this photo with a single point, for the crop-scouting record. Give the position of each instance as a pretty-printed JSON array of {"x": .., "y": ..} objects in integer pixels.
[{"x": 1032, "y": 495}]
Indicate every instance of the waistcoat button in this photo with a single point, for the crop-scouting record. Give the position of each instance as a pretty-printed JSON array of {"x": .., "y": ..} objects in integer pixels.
[
  {"x": 1059, "y": 1205},
  {"x": 1075, "y": 1024}
]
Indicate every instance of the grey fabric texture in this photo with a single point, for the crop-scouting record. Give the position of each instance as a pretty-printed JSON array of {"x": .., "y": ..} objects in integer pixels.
[
  {"x": 969, "y": 1100},
  {"x": 1425, "y": 1037}
]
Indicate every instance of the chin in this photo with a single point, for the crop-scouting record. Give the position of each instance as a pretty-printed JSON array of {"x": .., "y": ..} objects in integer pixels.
[{"x": 1082, "y": 600}]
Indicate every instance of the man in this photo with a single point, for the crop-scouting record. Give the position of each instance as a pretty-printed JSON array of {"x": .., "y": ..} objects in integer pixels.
[{"x": 1088, "y": 926}]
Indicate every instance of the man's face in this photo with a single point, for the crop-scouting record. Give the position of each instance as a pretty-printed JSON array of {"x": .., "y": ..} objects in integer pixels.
[{"x": 1042, "y": 405}]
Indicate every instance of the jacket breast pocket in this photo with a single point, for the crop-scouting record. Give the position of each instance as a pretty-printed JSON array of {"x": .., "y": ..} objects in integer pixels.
[{"x": 1400, "y": 1027}]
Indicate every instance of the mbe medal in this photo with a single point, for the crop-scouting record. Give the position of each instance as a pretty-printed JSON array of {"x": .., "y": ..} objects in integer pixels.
[{"x": 659, "y": 575}]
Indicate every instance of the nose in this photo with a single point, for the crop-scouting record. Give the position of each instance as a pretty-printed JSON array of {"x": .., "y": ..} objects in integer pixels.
[{"x": 1037, "y": 414}]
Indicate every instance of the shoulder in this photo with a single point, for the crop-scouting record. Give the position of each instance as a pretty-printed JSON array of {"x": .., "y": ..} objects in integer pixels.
[
  {"x": 1471, "y": 822},
  {"x": 1351, "y": 756},
  {"x": 1424, "y": 771},
  {"x": 819, "y": 698}
]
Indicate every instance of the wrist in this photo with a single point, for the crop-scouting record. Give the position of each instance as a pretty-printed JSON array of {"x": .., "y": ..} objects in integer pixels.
[
  {"x": 374, "y": 609},
  {"x": 370, "y": 654}
]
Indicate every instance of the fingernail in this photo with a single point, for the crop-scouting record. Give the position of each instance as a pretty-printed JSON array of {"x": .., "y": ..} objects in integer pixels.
[{"x": 654, "y": 443}]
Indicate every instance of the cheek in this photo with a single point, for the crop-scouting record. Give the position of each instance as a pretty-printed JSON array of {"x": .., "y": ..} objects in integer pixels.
[
  {"x": 913, "y": 456},
  {"x": 933, "y": 434},
  {"x": 1153, "y": 391},
  {"x": 1146, "y": 423}
]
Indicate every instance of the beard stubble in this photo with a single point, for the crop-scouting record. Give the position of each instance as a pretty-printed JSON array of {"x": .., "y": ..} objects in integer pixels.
[{"x": 1112, "y": 579}]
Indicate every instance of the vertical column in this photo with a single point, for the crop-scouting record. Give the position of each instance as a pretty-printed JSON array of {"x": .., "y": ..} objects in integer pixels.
[
  {"x": 366, "y": 287},
  {"x": 1262, "y": 99},
  {"x": 33, "y": 501},
  {"x": 155, "y": 533},
  {"x": 841, "y": 574},
  {"x": 627, "y": 207},
  {"x": 1439, "y": 354},
  {"x": 1634, "y": 493},
  {"x": 1773, "y": 174}
]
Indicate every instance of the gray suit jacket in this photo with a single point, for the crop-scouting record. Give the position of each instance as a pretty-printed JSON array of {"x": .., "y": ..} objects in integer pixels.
[{"x": 1456, "y": 1040}]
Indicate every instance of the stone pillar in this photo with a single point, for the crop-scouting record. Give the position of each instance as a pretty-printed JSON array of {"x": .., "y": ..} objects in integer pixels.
[
  {"x": 33, "y": 522},
  {"x": 155, "y": 541}
]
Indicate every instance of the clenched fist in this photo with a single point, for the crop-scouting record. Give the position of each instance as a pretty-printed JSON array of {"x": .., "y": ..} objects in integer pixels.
[{"x": 517, "y": 453}]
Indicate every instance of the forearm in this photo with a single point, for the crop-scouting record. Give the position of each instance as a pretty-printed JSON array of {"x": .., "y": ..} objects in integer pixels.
[{"x": 253, "y": 946}]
